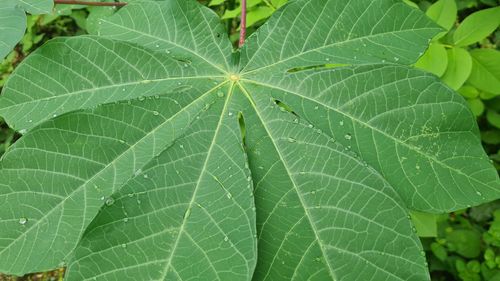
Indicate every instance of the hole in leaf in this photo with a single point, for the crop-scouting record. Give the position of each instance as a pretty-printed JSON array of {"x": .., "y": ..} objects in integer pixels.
[
  {"x": 241, "y": 122},
  {"x": 284, "y": 107}
]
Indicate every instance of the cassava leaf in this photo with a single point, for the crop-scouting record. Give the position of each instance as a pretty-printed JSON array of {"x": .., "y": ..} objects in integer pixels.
[
  {"x": 13, "y": 20},
  {"x": 171, "y": 158},
  {"x": 12, "y": 26}
]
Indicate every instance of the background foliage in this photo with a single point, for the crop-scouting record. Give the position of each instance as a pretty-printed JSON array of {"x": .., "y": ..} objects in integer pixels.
[{"x": 464, "y": 245}]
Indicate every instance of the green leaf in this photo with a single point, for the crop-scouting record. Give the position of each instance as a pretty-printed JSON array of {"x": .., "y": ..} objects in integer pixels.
[
  {"x": 13, "y": 20},
  {"x": 493, "y": 118},
  {"x": 476, "y": 106},
  {"x": 426, "y": 224},
  {"x": 434, "y": 60},
  {"x": 465, "y": 242},
  {"x": 485, "y": 73},
  {"x": 477, "y": 26},
  {"x": 171, "y": 158},
  {"x": 469, "y": 92},
  {"x": 36, "y": 7},
  {"x": 459, "y": 68},
  {"x": 444, "y": 13},
  {"x": 12, "y": 26}
]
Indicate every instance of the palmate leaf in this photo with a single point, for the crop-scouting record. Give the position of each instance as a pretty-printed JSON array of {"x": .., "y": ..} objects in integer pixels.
[
  {"x": 13, "y": 20},
  {"x": 154, "y": 153}
]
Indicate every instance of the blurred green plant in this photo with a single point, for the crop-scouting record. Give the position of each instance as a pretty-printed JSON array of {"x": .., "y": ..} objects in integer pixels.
[{"x": 466, "y": 244}]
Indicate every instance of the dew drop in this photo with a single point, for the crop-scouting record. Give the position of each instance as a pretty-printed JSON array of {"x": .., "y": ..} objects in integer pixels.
[
  {"x": 110, "y": 201},
  {"x": 146, "y": 176},
  {"x": 348, "y": 136},
  {"x": 229, "y": 195},
  {"x": 296, "y": 120},
  {"x": 327, "y": 59},
  {"x": 157, "y": 45},
  {"x": 396, "y": 59},
  {"x": 226, "y": 238},
  {"x": 249, "y": 178},
  {"x": 23, "y": 221},
  {"x": 181, "y": 146},
  {"x": 130, "y": 195},
  {"x": 230, "y": 114},
  {"x": 167, "y": 51},
  {"x": 310, "y": 126},
  {"x": 479, "y": 193},
  {"x": 341, "y": 123},
  {"x": 124, "y": 245},
  {"x": 30, "y": 121},
  {"x": 23, "y": 131},
  {"x": 156, "y": 113},
  {"x": 220, "y": 94},
  {"x": 316, "y": 107},
  {"x": 292, "y": 140},
  {"x": 125, "y": 220}
]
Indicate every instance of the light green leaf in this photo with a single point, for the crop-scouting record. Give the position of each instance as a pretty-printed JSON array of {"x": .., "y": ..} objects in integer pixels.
[
  {"x": 469, "y": 92},
  {"x": 258, "y": 14},
  {"x": 444, "y": 13},
  {"x": 434, "y": 60},
  {"x": 493, "y": 118},
  {"x": 485, "y": 73},
  {"x": 426, "y": 224},
  {"x": 170, "y": 159},
  {"x": 477, "y": 106},
  {"x": 459, "y": 68},
  {"x": 477, "y": 26}
]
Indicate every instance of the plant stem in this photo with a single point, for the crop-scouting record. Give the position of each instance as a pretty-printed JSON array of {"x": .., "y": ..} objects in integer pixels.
[
  {"x": 243, "y": 25},
  {"x": 76, "y": 2}
]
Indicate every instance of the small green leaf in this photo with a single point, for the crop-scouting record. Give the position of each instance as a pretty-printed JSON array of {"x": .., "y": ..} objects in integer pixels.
[
  {"x": 469, "y": 92},
  {"x": 439, "y": 251},
  {"x": 459, "y": 68},
  {"x": 491, "y": 136},
  {"x": 477, "y": 26},
  {"x": 476, "y": 106},
  {"x": 485, "y": 73},
  {"x": 443, "y": 12},
  {"x": 425, "y": 223},
  {"x": 493, "y": 118},
  {"x": 258, "y": 14},
  {"x": 434, "y": 60},
  {"x": 465, "y": 242}
]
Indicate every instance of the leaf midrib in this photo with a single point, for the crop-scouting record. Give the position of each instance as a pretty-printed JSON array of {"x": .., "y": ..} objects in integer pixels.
[
  {"x": 324, "y": 47},
  {"x": 197, "y": 186},
  {"x": 299, "y": 195},
  {"x": 134, "y": 83}
]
